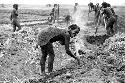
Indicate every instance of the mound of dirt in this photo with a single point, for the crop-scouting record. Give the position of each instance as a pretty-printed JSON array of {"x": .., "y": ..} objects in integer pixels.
[
  {"x": 97, "y": 39},
  {"x": 19, "y": 62}
]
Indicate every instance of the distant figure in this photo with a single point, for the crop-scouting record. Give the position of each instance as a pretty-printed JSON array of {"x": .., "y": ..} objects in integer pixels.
[
  {"x": 110, "y": 19},
  {"x": 54, "y": 15},
  {"x": 48, "y": 5},
  {"x": 96, "y": 9},
  {"x": 105, "y": 5},
  {"x": 55, "y": 12},
  {"x": 58, "y": 14},
  {"x": 49, "y": 35},
  {"x": 51, "y": 18},
  {"x": 75, "y": 7},
  {"x": 97, "y": 12},
  {"x": 68, "y": 19},
  {"x": 91, "y": 6},
  {"x": 14, "y": 18}
]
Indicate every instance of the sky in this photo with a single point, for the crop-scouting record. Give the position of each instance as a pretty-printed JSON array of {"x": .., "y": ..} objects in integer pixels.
[{"x": 43, "y": 2}]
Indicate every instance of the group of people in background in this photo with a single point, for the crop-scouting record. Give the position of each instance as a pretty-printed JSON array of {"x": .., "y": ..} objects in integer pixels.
[
  {"x": 107, "y": 13},
  {"x": 54, "y": 15}
]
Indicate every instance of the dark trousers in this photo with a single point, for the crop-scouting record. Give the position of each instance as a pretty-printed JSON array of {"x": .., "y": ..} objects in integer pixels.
[
  {"x": 15, "y": 24},
  {"x": 47, "y": 50},
  {"x": 110, "y": 24}
]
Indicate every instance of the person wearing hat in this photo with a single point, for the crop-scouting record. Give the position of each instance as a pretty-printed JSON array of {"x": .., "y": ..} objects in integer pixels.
[
  {"x": 14, "y": 18},
  {"x": 49, "y": 35}
]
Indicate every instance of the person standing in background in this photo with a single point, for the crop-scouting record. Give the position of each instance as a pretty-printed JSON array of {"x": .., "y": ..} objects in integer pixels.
[
  {"x": 68, "y": 20},
  {"x": 111, "y": 20},
  {"x": 75, "y": 7},
  {"x": 55, "y": 12},
  {"x": 14, "y": 18}
]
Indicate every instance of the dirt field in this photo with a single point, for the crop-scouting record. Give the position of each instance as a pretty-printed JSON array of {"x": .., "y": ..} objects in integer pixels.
[{"x": 102, "y": 57}]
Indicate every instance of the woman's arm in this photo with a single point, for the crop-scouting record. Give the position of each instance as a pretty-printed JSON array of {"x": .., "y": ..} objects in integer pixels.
[{"x": 67, "y": 42}]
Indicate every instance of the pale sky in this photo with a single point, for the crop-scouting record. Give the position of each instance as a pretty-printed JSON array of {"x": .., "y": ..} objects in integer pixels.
[{"x": 43, "y": 2}]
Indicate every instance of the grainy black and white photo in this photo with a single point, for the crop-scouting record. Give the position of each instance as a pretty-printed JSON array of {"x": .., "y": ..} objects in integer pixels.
[{"x": 62, "y": 41}]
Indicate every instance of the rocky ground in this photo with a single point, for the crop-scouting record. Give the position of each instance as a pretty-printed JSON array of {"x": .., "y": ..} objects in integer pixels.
[{"x": 102, "y": 57}]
